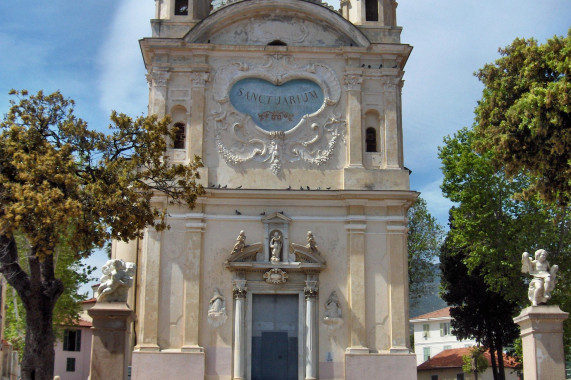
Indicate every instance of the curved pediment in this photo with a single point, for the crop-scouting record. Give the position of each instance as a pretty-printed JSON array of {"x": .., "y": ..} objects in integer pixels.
[{"x": 271, "y": 22}]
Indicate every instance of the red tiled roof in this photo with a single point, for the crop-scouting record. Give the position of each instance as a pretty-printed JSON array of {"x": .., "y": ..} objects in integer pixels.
[
  {"x": 84, "y": 323},
  {"x": 91, "y": 300},
  {"x": 435, "y": 314},
  {"x": 453, "y": 359}
]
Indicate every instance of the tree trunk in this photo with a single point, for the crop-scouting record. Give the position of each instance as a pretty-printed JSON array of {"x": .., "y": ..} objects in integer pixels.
[
  {"x": 494, "y": 367},
  {"x": 500, "y": 354},
  {"x": 39, "y": 292}
]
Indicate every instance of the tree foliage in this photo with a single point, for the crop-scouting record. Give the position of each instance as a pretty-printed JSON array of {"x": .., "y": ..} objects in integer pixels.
[
  {"x": 475, "y": 362},
  {"x": 424, "y": 239},
  {"x": 524, "y": 116},
  {"x": 62, "y": 182}
]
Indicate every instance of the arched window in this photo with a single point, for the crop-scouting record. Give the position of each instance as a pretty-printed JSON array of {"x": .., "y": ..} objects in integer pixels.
[
  {"x": 181, "y": 7},
  {"x": 372, "y": 10},
  {"x": 179, "y": 136},
  {"x": 371, "y": 139}
]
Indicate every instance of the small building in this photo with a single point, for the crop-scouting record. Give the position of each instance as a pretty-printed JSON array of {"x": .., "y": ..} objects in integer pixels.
[
  {"x": 73, "y": 353},
  {"x": 447, "y": 365},
  {"x": 432, "y": 335}
]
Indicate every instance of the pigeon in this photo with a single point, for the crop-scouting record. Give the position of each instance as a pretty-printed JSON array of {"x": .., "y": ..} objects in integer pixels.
[
  {"x": 239, "y": 187},
  {"x": 212, "y": 185},
  {"x": 264, "y": 213},
  {"x": 308, "y": 188},
  {"x": 289, "y": 187},
  {"x": 219, "y": 185},
  {"x": 301, "y": 187},
  {"x": 281, "y": 212},
  {"x": 238, "y": 212},
  {"x": 329, "y": 188},
  {"x": 225, "y": 186}
]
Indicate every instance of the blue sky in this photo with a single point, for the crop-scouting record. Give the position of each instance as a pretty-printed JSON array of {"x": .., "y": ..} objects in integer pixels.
[{"x": 88, "y": 49}]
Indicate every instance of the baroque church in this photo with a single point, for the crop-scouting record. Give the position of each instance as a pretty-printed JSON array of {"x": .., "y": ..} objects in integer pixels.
[{"x": 293, "y": 265}]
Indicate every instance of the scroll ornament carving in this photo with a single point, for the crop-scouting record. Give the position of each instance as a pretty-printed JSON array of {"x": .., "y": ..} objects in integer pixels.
[
  {"x": 275, "y": 276},
  {"x": 116, "y": 280},
  {"x": 311, "y": 142},
  {"x": 544, "y": 276},
  {"x": 217, "y": 309}
]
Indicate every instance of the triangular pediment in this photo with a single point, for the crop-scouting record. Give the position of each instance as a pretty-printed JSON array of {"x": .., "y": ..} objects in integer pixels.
[{"x": 276, "y": 217}]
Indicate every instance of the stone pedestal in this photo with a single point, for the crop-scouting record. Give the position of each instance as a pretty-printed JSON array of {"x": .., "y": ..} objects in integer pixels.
[
  {"x": 542, "y": 341},
  {"x": 111, "y": 321},
  {"x": 380, "y": 366}
]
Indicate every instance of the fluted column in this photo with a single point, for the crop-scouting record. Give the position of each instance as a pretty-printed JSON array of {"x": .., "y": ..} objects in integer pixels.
[
  {"x": 311, "y": 343},
  {"x": 239, "y": 292}
]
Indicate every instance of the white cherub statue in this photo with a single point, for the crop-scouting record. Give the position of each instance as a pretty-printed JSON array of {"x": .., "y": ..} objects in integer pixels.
[
  {"x": 544, "y": 276},
  {"x": 116, "y": 280}
]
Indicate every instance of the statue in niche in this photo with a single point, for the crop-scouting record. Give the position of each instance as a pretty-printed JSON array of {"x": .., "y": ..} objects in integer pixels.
[
  {"x": 311, "y": 241},
  {"x": 333, "y": 317},
  {"x": 544, "y": 276},
  {"x": 240, "y": 243},
  {"x": 116, "y": 280},
  {"x": 276, "y": 247},
  {"x": 217, "y": 309}
]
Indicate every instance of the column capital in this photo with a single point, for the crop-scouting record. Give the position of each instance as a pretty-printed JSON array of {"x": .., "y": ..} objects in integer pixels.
[
  {"x": 311, "y": 289},
  {"x": 199, "y": 79},
  {"x": 158, "y": 77},
  {"x": 353, "y": 81},
  {"x": 239, "y": 290}
]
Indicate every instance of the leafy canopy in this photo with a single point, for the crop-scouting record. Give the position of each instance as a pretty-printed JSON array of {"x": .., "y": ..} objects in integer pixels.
[
  {"x": 60, "y": 179},
  {"x": 524, "y": 116}
]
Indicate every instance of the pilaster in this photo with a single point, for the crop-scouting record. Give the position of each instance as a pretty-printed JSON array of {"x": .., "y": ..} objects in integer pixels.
[
  {"x": 196, "y": 134},
  {"x": 192, "y": 286},
  {"x": 353, "y": 80},
  {"x": 398, "y": 288},
  {"x": 149, "y": 295},
  {"x": 357, "y": 301},
  {"x": 158, "y": 81},
  {"x": 393, "y": 135}
]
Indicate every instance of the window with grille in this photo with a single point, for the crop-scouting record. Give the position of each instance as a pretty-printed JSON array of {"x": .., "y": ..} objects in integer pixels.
[{"x": 72, "y": 340}]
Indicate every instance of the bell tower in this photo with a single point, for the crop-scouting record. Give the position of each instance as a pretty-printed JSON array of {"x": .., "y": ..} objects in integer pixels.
[
  {"x": 370, "y": 12},
  {"x": 172, "y": 17}
]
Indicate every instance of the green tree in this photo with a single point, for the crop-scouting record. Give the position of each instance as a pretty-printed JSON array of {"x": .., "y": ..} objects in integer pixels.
[
  {"x": 61, "y": 182},
  {"x": 424, "y": 239},
  {"x": 477, "y": 312},
  {"x": 524, "y": 116},
  {"x": 475, "y": 362}
]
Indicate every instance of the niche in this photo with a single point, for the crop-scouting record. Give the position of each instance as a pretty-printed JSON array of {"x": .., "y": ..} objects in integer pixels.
[{"x": 181, "y": 8}]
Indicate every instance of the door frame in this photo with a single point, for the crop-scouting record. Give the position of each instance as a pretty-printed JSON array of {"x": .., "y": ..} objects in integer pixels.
[{"x": 271, "y": 289}]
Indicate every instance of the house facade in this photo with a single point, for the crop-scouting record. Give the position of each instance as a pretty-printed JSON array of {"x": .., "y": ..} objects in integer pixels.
[
  {"x": 293, "y": 265},
  {"x": 433, "y": 334}
]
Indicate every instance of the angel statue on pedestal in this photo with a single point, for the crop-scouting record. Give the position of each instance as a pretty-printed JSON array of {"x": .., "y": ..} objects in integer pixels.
[{"x": 544, "y": 276}]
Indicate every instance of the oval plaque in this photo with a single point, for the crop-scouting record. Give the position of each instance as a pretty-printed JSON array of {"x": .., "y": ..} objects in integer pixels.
[{"x": 276, "y": 108}]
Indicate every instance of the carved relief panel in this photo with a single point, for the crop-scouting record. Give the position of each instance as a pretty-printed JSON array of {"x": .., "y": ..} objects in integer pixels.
[{"x": 276, "y": 114}]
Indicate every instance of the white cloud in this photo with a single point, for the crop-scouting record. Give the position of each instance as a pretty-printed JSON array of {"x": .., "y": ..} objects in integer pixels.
[{"x": 122, "y": 84}]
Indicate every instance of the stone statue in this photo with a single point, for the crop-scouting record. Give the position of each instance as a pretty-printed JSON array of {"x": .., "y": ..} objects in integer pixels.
[
  {"x": 116, "y": 280},
  {"x": 333, "y": 317},
  {"x": 311, "y": 241},
  {"x": 217, "y": 309},
  {"x": 544, "y": 276},
  {"x": 240, "y": 243},
  {"x": 276, "y": 247}
]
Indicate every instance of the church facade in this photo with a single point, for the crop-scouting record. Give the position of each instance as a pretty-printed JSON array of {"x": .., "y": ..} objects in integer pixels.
[{"x": 293, "y": 265}]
